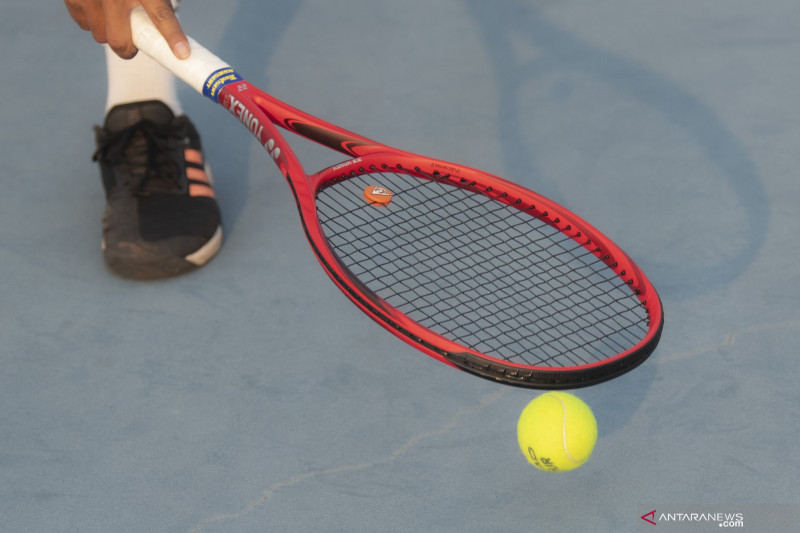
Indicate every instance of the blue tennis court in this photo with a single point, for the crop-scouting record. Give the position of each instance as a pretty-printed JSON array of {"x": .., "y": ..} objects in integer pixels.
[{"x": 252, "y": 396}]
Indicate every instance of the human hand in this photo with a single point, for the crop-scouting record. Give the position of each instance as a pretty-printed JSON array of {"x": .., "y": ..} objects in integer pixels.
[{"x": 109, "y": 22}]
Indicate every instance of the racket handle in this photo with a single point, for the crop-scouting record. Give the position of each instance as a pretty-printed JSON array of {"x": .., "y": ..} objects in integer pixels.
[{"x": 194, "y": 70}]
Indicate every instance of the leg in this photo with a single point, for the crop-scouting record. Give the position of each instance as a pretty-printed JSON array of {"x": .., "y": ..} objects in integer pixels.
[{"x": 161, "y": 217}]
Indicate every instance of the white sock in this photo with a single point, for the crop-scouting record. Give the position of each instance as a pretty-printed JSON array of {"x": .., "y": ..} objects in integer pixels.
[{"x": 139, "y": 79}]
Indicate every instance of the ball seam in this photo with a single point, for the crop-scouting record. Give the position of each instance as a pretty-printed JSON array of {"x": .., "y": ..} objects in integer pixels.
[{"x": 564, "y": 431}]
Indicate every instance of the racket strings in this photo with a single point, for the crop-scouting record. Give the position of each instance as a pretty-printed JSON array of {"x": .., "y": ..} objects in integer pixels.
[
  {"x": 511, "y": 300},
  {"x": 478, "y": 271}
]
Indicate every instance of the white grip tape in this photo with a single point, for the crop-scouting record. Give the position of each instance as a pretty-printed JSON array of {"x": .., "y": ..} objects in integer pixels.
[{"x": 194, "y": 70}]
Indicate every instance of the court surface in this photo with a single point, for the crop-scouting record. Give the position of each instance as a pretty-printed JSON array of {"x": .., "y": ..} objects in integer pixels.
[{"x": 252, "y": 396}]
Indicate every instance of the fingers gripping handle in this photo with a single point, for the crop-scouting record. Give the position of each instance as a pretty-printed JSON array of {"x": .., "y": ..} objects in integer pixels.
[{"x": 199, "y": 70}]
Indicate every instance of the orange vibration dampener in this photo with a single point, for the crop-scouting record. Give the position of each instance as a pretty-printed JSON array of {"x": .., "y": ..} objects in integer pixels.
[{"x": 377, "y": 195}]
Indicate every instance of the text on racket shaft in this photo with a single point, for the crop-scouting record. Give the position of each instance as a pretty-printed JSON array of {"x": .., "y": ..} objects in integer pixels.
[{"x": 240, "y": 111}]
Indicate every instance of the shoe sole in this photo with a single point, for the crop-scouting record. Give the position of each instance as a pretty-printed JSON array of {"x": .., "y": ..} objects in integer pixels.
[
  {"x": 125, "y": 261},
  {"x": 209, "y": 250}
]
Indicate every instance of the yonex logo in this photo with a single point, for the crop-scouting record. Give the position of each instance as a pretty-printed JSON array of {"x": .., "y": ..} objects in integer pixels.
[
  {"x": 246, "y": 117},
  {"x": 253, "y": 124},
  {"x": 273, "y": 150}
]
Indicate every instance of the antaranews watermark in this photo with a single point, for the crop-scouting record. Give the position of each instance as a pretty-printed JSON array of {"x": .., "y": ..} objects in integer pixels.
[{"x": 750, "y": 518}]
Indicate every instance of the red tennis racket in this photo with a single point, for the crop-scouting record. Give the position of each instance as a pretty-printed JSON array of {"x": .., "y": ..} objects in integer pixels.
[{"x": 467, "y": 267}]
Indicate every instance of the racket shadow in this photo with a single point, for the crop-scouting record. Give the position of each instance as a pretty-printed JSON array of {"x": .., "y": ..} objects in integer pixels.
[
  {"x": 559, "y": 51},
  {"x": 253, "y": 21}
]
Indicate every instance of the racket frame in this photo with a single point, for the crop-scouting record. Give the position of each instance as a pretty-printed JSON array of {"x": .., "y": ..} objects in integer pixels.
[{"x": 262, "y": 114}]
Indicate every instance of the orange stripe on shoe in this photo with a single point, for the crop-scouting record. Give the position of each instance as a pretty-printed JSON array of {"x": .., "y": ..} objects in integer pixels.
[
  {"x": 193, "y": 156},
  {"x": 197, "y": 174},
  {"x": 201, "y": 190}
]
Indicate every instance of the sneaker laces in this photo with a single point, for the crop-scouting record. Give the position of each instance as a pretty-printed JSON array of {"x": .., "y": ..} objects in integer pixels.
[{"x": 149, "y": 151}]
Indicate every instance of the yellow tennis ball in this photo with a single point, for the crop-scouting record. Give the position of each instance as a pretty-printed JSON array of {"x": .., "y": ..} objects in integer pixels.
[{"x": 557, "y": 432}]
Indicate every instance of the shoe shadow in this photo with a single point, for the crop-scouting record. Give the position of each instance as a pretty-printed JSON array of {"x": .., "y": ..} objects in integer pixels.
[{"x": 248, "y": 42}]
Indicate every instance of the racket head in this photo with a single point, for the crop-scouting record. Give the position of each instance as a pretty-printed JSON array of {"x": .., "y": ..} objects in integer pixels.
[
  {"x": 479, "y": 272},
  {"x": 469, "y": 268}
]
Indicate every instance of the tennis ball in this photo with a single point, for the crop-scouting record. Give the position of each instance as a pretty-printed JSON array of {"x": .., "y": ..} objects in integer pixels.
[{"x": 557, "y": 432}]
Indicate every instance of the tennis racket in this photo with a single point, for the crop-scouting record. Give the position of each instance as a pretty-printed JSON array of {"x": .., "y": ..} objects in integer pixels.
[{"x": 470, "y": 268}]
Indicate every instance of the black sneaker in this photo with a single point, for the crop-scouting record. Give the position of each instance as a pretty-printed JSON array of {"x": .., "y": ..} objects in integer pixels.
[{"x": 161, "y": 217}]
